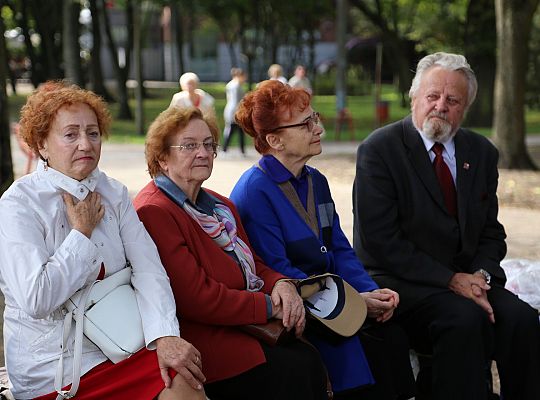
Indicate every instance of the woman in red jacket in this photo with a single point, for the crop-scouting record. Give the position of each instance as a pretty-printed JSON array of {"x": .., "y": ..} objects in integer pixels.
[{"x": 218, "y": 282}]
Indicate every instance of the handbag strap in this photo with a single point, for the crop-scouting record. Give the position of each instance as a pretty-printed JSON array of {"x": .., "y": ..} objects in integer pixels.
[{"x": 78, "y": 315}]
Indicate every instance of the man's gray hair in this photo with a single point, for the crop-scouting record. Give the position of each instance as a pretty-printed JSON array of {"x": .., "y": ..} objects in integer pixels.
[{"x": 452, "y": 62}]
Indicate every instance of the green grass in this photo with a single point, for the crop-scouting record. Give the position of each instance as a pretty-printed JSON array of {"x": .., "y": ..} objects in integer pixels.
[
  {"x": 361, "y": 109},
  {"x": 532, "y": 121}
]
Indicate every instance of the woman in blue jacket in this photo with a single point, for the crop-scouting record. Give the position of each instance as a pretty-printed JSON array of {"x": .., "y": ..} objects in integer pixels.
[{"x": 288, "y": 212}]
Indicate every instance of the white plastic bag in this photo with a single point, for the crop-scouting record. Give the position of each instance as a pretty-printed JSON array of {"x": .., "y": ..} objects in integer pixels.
[{"x": 523, "y": 279}]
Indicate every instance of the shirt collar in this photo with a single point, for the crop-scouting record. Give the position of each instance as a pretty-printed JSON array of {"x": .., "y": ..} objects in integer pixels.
[
  {"x": 205, "y": 202},
  {"x": 277, "y": 171},
  {"x": 449, "y": 145},
  {"x": 78, "y": 189}
]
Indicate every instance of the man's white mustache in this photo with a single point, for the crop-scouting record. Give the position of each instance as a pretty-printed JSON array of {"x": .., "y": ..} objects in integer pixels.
[{"x": 438, "y": 115}]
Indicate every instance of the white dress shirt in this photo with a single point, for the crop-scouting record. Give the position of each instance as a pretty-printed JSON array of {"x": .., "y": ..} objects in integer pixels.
[
  {"x": 43, "y": 262},
  {"x": 449, "y": 153}
]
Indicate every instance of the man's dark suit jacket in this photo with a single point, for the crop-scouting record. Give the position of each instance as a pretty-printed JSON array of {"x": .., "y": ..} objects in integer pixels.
[{"x": 402, "y": 231}]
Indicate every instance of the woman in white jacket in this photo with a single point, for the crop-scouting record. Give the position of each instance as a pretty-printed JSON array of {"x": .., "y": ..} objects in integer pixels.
[{"x": 64, "y": 226}]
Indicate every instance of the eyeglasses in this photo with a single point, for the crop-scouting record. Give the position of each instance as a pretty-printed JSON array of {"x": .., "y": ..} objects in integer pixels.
[
  {"x": 191, "y": 147},
  {"x": 310, "y": 123}
]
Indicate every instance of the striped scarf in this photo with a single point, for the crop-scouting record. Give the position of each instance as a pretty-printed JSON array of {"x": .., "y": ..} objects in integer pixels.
[{"x": 221, "y": 227}]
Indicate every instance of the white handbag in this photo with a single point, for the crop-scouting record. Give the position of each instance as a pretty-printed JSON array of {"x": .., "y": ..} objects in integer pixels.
[{"x": 106, "y": 312}]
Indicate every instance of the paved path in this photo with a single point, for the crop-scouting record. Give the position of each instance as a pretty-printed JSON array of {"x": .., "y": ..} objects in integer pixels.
[{"x": 126, "y": 163}]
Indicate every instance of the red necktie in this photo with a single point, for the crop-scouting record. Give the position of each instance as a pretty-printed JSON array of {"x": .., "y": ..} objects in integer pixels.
[{"x": 445, "y": 179}]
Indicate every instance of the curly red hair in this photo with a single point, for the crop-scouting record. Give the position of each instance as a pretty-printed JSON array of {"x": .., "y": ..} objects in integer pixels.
[
  {"x": 38, "y": 114},
  {"x": 267, "y": 107},
  {"x": 163, "y": 129}
]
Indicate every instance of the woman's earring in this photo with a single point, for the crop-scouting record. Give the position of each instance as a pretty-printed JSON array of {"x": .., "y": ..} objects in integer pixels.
[
  {"x": 281, "y": 147},
  {"x": 46, "y": 167}
]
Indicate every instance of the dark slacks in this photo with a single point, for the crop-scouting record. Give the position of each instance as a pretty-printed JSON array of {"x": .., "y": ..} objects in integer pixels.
[
  {"x": 292, "y": 372},
  {"x": 387, "y": 351},
  {"x": 462, "y": 340},
  {"x": 228, "y": 133}
]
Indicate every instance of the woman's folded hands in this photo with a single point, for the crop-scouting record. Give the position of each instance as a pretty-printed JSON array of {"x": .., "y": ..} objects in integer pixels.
[{"x": 288, "y": 306}]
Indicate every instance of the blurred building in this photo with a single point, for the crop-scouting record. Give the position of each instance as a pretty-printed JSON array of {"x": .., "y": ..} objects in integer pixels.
[{"x": 205, "y": 53}]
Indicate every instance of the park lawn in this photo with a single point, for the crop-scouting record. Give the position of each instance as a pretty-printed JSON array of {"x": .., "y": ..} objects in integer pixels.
[{"x": 361, "y": 108}]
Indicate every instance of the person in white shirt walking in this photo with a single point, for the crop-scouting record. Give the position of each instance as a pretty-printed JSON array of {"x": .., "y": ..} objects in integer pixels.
[{"x": 234, "y": 93}]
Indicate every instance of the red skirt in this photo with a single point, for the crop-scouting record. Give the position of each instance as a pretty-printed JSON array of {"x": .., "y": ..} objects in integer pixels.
[{"x": 137, "y": 377}]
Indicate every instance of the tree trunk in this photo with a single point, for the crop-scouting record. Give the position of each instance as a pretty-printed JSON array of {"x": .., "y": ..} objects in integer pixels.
[
  {"x": 124, "y": 111},
  {"x": 46, "y": 17},
  {"x": 232, "y": 54},
  {"x": 70, "y": 42},
  {"x": 311, "y": 63},
  {"x": 398, "y": 51},
  {"x": 245, "y": 49},
  {"x": 10, "y": 73},
  {"x": 96, "y": 71},
  {"x": 137, "y": 54},
  {"x": 36, "y": 67},
  {"x": 341, "y": 61},
  {"x": 189, "y": 12},
  {"x": 6, "y": 163},
  {"x": 480, "y": 44},
  {"x": 179, "y": 34},
  {"x": 514, "y": 19},
  {"x": 250, "y": 42}
]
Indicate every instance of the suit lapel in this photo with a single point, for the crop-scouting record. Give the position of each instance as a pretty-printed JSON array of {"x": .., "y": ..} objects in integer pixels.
[
  {"x": 465, "y": 168},
  {"x": 420, "y": 161}
]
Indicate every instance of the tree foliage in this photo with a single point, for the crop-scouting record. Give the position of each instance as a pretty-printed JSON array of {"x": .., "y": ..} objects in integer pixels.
[
  {"x": 410, "y": 28},
  {"x": 267, "y": 31},
  {"x": 33, "y": 19},
  {"x": 393, "y": 21}
]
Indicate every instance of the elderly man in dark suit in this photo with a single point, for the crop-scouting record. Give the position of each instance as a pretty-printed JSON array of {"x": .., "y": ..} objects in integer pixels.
[{"x": 425, "y": 207}]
